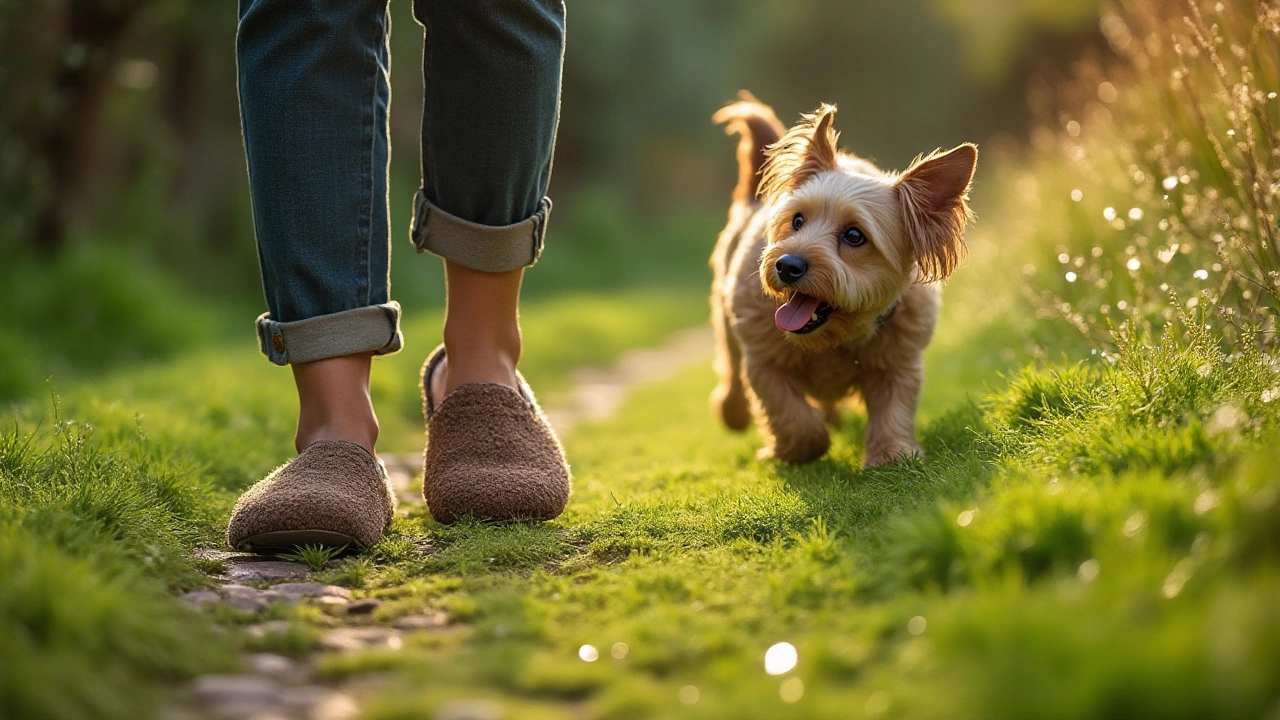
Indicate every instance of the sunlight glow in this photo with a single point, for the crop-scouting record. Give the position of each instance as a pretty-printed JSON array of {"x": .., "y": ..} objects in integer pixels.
[
  {"x": 588, "y": 653},
  {"x": 781, "y": 658}
]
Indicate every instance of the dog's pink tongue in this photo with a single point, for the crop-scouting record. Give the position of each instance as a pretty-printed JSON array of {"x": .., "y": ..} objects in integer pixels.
[{"x": 796, "y": 313}]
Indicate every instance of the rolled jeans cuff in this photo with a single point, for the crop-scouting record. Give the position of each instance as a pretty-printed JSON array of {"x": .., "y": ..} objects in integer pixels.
[
  {"x": 373, "y": 328},
  {"x": 487, "y": 248}
]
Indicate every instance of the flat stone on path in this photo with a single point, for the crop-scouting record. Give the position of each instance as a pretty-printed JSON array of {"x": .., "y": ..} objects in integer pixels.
[
  {"x": 311, "y": 590},
  {"x": 252, "y": 697},
  {"x": 318, "y": 703},
  {"x": 363, "y": 607},
  {"x": 423, "y": 621},
  {"x": 200, "y": 598},
  {"x": 245, "y": 598},
  {"x": 235, "y": 696},
  {"x": 270, "y": 664},
  {"x": 265, "y": 571},
  {"x": 247, "y": 567},
  {"x": 349, "y": 639}
]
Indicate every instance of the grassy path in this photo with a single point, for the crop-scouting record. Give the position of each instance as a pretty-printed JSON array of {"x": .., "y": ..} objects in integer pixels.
[{"x": 1082, "y": 541}]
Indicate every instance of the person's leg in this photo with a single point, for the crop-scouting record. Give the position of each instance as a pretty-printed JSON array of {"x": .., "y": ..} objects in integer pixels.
[
  {"x": 313, "y": 99},
  {"x": 492, "y": 95},
  {"x": 491, "y": 70},
  {"x": 314, "y": 95}
]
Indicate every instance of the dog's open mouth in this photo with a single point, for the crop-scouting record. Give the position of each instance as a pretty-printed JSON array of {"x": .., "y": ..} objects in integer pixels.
[{"x": 802, "y": 314}]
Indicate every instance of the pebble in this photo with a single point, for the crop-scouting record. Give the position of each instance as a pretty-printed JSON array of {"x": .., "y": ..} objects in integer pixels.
[
  {"x": 270, "y": 664},
  {"x": 363, "y": 607},
  {"x": 200, "y": 598},
  {"x": 235, "y": 695},
  {"x": 350, "y": 639},
  {"x": 251, "y": 697},
  {"x": 311, "y": 590},
  {"x": 424, "y": 621},
  {"x": 247, "y": 567},
  {"x": 266, "y": 571},
  {"x": 271, "y": 627}
]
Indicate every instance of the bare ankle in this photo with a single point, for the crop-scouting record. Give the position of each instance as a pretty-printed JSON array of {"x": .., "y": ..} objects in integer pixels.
[
  {"x": 334, "y": 402},
  {"x": 471, "y": 360},
  {"x": 482, "y": 328},
  {"x": 363, "y": 434}
]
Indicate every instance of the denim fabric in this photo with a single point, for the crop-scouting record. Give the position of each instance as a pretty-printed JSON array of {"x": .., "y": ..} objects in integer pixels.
[
  {"x": 491, "y": 70},
  {"x": 314, "y": 95}
]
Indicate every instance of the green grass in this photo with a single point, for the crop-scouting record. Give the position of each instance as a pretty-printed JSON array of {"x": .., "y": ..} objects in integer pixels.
[
  {"x": 93, "y": 543},
  {"x": 108, "y": 485},
  {"x": 1086, "y": 542},
  {"x": 1095, "y": 532},
  {"x": 1087, "y": 538}
]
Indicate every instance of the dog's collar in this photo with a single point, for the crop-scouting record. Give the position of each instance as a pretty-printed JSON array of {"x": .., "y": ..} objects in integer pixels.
[{"x": 887, "y": 314}]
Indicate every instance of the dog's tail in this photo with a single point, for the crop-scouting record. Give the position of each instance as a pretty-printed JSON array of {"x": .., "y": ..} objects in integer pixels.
[{"x": 759, "y": 128}]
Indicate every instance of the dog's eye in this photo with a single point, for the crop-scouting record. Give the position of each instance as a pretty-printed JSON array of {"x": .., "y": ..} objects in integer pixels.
[
  {"x": 853, "y": 237},
  {"x": 797, "y": 222}
]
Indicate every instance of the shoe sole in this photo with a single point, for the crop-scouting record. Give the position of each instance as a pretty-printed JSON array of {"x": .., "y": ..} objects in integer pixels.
[{"x": 272, "y": 542}]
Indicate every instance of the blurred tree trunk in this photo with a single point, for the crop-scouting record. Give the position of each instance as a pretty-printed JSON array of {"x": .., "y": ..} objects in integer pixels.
[{"x": 66, "y": 137}]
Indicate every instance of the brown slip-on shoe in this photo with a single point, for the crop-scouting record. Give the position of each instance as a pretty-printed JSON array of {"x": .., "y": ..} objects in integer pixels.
[
  {"x": 490, "y": 455},
  {"x": 334, "y": 493}
]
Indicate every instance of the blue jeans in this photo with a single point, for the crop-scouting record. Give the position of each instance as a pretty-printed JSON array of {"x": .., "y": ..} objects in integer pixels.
[{"x": 314, "y": 96}]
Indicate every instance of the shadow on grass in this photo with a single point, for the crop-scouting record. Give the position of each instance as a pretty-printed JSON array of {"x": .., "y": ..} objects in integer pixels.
[{"x": 959, "y": 460}]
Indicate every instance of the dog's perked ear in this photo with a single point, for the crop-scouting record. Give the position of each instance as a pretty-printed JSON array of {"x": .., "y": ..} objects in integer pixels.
[
  {"x": 935, "y": 206},
  {"x": 808, "y": 148}
]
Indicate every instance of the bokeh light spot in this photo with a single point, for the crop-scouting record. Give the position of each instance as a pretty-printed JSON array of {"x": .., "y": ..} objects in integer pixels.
[
  {"x": 1088, "y": 571},
  {"x": 917, "y": 625},
  {"x": 791, "y": 690},
  {"x": 588, "y": 653},
  {"x": 781, "y": 658}
]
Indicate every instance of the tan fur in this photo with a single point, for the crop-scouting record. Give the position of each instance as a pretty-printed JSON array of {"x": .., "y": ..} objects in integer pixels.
[{"x": 914, "y": 223}]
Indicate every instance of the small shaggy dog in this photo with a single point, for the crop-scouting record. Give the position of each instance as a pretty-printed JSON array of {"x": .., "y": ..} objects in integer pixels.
[{"x": 826, "y": 282}]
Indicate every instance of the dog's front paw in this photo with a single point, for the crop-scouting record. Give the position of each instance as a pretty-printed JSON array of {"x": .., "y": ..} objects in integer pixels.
[
  {"x": 892, "y": 453},
  {"x": 797, "y": 449}
]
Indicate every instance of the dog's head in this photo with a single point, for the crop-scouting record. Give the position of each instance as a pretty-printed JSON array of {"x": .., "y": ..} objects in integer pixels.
[{"x": 845, "y": 239}]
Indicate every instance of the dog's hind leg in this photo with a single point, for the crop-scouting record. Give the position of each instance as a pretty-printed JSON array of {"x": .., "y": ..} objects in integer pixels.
[
  {"x": 729, "y": 399},
  {"x": 793, "y": 429},
  {"x": 831, "y": 413}
]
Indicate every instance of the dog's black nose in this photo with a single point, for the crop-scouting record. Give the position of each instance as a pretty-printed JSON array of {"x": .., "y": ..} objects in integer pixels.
[{"x": 791, "y": 268}]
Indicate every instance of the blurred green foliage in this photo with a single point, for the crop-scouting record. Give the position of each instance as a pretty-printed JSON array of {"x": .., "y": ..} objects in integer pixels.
[
  {"x": 124, "y": 205},
  {"x": 120, "y": 117}
]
